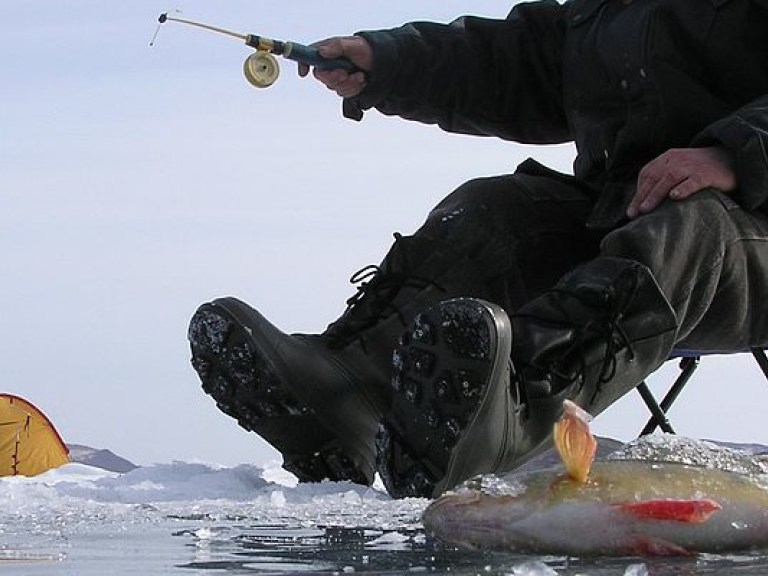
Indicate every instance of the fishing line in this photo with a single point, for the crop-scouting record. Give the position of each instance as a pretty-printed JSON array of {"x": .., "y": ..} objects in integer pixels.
[{"x": 160, "y": 21}]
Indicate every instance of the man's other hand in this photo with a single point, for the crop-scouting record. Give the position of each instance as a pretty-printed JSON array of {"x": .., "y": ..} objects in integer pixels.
[{"x": 679, "y": 173}]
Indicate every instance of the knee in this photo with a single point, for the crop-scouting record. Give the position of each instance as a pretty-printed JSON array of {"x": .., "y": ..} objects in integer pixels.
[
  {"x": 675, "y": 229},
  {"x": 632, "y": 241},
  {"x": 478, "y": 195}
]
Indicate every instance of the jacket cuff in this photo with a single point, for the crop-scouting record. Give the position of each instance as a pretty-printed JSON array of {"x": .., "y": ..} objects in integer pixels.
[{"x": 379, "y": 78}]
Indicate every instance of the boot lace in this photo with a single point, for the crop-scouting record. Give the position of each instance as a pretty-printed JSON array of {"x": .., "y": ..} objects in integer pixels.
[
  {"x": 374, "y": 301},
  {"x": 607, "y": 326}
]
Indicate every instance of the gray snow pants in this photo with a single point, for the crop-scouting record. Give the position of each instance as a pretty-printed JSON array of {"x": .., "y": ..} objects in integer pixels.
[{"x": 708, "y": 255}]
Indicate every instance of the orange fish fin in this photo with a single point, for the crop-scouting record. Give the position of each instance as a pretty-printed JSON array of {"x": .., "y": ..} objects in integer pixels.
[
  {"x": 688, "y": 511},
  {"x": 574, "y": 441},
  {"x": 647, "y": 546}
]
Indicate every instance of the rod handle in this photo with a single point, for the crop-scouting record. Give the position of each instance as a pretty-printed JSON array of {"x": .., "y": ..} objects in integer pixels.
[{"x": 310, "y": 55}]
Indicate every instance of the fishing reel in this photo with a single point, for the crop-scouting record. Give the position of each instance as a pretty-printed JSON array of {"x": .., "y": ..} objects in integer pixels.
[{"x": 261, "y": 68}]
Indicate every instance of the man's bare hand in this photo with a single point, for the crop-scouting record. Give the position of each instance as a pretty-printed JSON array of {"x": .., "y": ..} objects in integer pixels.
[
  {"x": 680, "y": 172},
  {"x": 355, "y": 49}
]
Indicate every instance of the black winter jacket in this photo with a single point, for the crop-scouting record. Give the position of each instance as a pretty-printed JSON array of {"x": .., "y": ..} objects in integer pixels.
[{"x": 624, "y": 79}]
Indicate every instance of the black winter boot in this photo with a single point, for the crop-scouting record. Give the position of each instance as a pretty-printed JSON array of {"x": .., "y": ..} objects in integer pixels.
[
  {"x": 463, "y": 407},
  {"x": 453, "y": 402},
  {"x": 591, "y": 339},
  {"x": 318, "y": 399}
]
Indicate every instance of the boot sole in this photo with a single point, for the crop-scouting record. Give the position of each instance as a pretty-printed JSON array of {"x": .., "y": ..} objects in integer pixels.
[
  {"x": 246, "y": 386},
  {"x": 443, "y": 367}
]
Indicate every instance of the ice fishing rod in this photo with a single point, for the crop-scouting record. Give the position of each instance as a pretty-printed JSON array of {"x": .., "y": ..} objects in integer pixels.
[{"x": 261, "y": 68}]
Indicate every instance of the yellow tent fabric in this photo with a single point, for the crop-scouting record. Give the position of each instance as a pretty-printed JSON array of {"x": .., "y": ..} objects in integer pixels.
[{"x": 29, "y": 444}]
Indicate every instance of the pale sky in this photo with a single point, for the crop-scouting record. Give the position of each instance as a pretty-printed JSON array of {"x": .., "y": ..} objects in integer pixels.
[{"x": 138, "y": 182}]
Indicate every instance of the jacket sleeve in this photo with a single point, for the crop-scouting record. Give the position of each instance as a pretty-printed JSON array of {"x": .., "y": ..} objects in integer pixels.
[
  {"x": 745, "y": 134},
  {"x": 474, "y": 76}
]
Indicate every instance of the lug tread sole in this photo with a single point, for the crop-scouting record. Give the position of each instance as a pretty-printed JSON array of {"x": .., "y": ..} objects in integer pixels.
[
  {"x": 247, "y": 388},
  {"x": 439, "y": 378}
]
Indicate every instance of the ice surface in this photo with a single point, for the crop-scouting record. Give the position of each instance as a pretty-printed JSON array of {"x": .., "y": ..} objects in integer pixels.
[
  {"x": 191, "y": 518},
  {"x": 682, "y": 450},
  {"x": 186, "y": 514},
  {"x": 493, "y": 485}
]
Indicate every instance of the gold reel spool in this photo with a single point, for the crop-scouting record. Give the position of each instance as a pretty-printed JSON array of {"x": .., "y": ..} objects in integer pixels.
[{"x": 261, "y": 69}]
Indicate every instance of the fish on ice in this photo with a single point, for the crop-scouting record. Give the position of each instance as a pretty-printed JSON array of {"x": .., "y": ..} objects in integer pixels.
[{"x": 661, "y": 496}]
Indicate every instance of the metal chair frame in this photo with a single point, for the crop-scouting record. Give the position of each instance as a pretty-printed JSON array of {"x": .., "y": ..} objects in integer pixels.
[{"x": 689, "y": 361}]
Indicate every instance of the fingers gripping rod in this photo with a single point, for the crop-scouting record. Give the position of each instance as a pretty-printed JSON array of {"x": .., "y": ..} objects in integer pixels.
[{"x": 261, "y": 68}]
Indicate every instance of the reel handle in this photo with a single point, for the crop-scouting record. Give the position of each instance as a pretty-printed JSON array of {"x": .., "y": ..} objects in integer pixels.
[{"x": 309, "y": 55}]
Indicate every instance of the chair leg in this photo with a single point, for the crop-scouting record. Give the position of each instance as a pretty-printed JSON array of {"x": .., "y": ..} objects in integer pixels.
[
  {"x": 762, "y": 361},
  {"x": 659, "y": 417},
  {"x": 687, "y": 367}
]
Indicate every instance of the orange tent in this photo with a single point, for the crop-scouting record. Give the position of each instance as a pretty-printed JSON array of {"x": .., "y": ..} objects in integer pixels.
[{"x": 29, "y": 444}]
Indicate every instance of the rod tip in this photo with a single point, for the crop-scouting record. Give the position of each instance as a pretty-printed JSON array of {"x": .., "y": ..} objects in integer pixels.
[{"x": 163, "y": 17}]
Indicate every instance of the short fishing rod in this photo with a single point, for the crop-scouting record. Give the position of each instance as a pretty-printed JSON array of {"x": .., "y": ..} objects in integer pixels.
[{"x": 261, "y": 68}]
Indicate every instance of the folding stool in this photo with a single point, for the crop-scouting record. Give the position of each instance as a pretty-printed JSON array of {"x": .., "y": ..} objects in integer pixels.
[{"x": 689, "y": 361}]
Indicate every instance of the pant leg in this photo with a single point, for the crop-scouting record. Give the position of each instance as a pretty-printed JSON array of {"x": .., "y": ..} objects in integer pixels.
[
  {"x": 523, "y": 231},
  {"x": 710, "y": 258}
]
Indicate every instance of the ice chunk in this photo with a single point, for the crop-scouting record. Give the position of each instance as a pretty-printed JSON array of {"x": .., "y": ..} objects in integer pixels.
[
  {"x": 682, "y": 450},
  {"x": 533, "y": 568}
]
